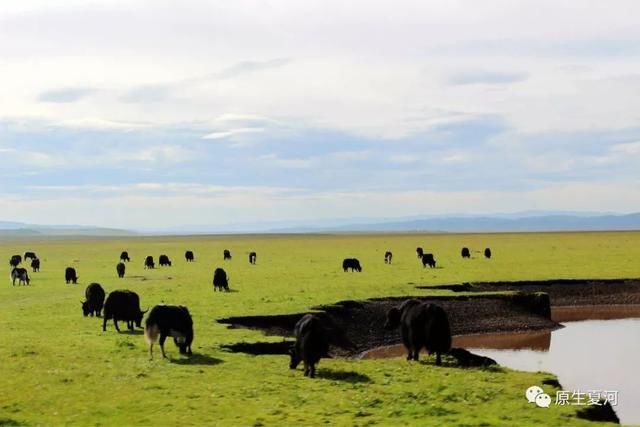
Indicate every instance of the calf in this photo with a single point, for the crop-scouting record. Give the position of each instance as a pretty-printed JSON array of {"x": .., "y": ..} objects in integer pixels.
[
  {"x": 15, "y": 260},
  {"x": 226, "y": 254},
  {"x": 188, "y": 255},
  {"x": 487, "y": 253},
  {"x": 311, "y": 344},
  {"x": 164, "y": 261},
  {"x": 120, "y": 269},
  {"x": 428, "y": 259},
  {"x": 123, "y": 305},
  {"x": 94, "y": 295},
  {"x": 169, "y": 321},
  {"x": 35, "y": 265},
  {"x": 70, "y": 275},
  {"x": 220, "y": 280},
  {"x": 351, "y": 263},
  {"x": 31, "y": 255},
  {"x": 465, "y": 253},
  {"x": 421, "y": 325},
  {"x": 124, "y": 256},
  {"x": 148, "y": 262},
  {"x": 252, "y": 258},
  {"x": 21, "y": 275},
  {"x": 387, "y": 257}
]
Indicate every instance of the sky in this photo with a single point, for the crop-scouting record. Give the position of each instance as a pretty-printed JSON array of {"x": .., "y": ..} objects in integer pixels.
[{"x": 150, "y": 114}]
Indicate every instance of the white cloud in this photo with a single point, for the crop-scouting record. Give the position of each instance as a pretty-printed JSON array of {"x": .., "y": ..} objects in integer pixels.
[{"x": 231, "y": 132}]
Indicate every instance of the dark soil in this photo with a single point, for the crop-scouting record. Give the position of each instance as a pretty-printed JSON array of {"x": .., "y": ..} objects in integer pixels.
[{"x": 563, "y": 292}]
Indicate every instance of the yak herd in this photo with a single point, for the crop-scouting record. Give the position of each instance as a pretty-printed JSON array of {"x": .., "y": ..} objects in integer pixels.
[{"x": 422, "y": 325}]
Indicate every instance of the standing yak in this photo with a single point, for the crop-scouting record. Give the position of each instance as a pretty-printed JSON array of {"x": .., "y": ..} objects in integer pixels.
[
  {"x": 487, "y": 253},
  {"x": 94, "y": 295},
  {"x": 252, "y": 258},
  {"x": 148, "y": 262},
  {"x": 428, "y": 259},
  {"x": 465, "y": 253},
  {"x": 164, "y": 261},
  {"x": 15, "y": 260},
  {"x": 70, "y": 275},
  {"x": 226, "y": 254},
  {"x": 120, "y": 269},
  {"x": 21, "y": 275},
  {"x": 220, "y": 280},
  {"x": 35, "y": 264},
  {"x": 123, "y": 305},
  {"x": 311, "y": 344},
  {"x": 188, "y": 255},
  {"x": 351, "y": 263},
  {"x": 124, "y": 256},
  {"x": 387, "y": 257},
  {"x": 422, "y": 325},
  {"x": 169, "y": 321},
  {"x": 31, "y": 255}
]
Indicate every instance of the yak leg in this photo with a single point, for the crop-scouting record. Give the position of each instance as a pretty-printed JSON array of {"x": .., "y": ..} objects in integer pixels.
[
  {"x": 115, "y": 323},
  {"x": 306, "y": 369},
  {"x": 438, "y": 359},
  {"x": 163, "y": 337}
]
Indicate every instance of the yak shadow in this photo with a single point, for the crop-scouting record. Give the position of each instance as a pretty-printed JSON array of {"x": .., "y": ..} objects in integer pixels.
[
  {"x": 346, "y": 376},
  {"x": 129, "y": 332},
  {"x": 197, "y": 359}
]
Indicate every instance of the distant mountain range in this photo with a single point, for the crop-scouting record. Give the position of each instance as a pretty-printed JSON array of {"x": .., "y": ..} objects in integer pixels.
[{"x": 456, "y": 223}]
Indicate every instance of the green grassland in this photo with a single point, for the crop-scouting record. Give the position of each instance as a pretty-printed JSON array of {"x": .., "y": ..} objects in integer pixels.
[{"x": 59, "y": 368}]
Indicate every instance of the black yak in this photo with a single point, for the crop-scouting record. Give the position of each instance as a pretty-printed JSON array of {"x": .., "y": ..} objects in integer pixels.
[
  {"x": 226, "y": 254},
  {"x": 220, "y": 280},
  {"x": 123, "y": 305},
  {"x": 164, "y": 261},
  {"x": 188, "y": 255},
  {"x": 428, "y": 259},
  {"x": 465, "y": 253},
  {"x": 487, "y": 253},
  {"x": 70, "y": 275},
  {"x": 124, "y": 256},
  {"x": 21, "y": 275},
  {"x": 94, "y": 295},
  {"x": 31, "y": 255},
  {"x": 422, "y": 325},
  {"x": 419, "y": 251},
  {"x": 252, "y": 257},
  {"x": 351, "y": 263},
  {"x": 120, "y": 269},
  {"x": 311, "y": 344},
  {"x": 15, "y": 260},
  {"x": 169, "y": 321},
  {"x": 148, "y": 262},
  {"x": 35, "y": 264},
  {"x": 387, "y": 257}
]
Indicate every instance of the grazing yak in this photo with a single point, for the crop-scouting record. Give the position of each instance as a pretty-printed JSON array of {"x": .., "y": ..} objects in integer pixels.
[
  {"x": 21, "y": 275},
  {"x": 351, "y": 263},
  {"x": 35, "y": 264},
  {"x": 419, "y": 251},
  {"x": 220, "y": 280},
  {"x": 311, "y": 344},
  {"x": 188, "y": 255},
  {"x": 120, "y": 269},
  {"x": 387, "y": 257},
  {"x": 124, "y": 256},
  {"x": 252, "y": 258},
  {"x": 169, "y": 321},
  {"x": 428, "y": 259},
  {"x": 422, "y": 325},
  {"x": 31, "y": 255},
  {"x": 226, "y": 254},
  {"x": 94, "y": 295},
  {"x": 70, "y": 275},
  {"x": 15, "y": 260},
  {"x": 148, "y": 262},
  {"x": 465, "y": 253},
  {"x": 487, "y": 253},
  {"x": 123, "y": 305},
  {"x": 164, "y": 261}
]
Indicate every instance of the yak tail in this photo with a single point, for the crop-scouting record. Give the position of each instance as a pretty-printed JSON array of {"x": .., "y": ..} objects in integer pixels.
[{"x": 151, "y": 333}]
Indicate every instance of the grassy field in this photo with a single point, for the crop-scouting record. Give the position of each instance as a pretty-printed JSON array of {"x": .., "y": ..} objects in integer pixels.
[{"x": 59, "y": 368}]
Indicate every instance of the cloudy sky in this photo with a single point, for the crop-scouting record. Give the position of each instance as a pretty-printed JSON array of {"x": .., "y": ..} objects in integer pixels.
[{"x": 164, "y": 113}]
